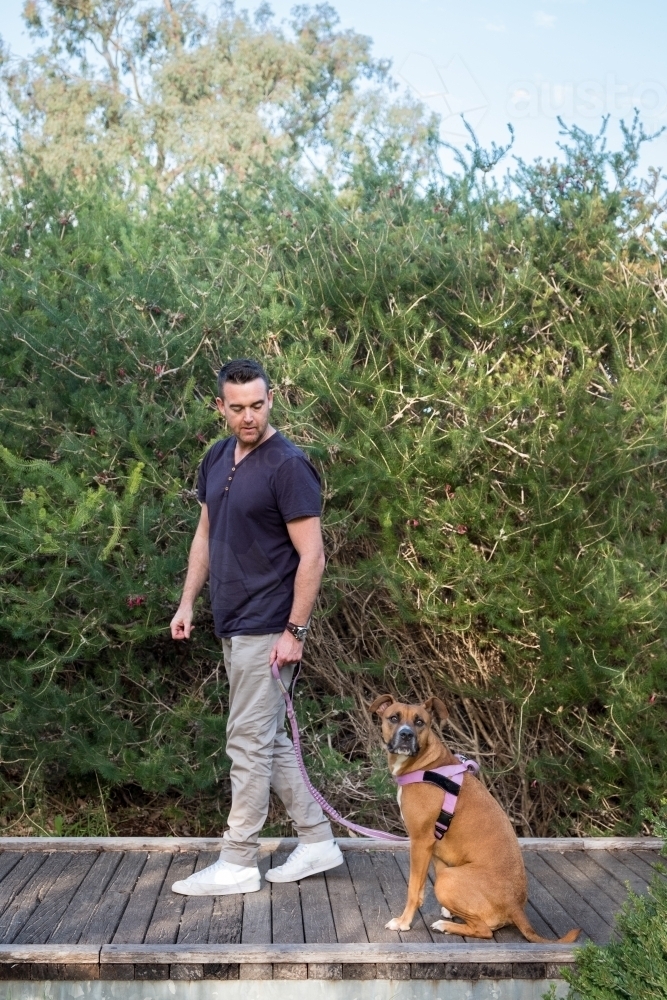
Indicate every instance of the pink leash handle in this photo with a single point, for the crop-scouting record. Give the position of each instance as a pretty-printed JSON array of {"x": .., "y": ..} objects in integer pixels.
[{"x": 363, "y": 831}]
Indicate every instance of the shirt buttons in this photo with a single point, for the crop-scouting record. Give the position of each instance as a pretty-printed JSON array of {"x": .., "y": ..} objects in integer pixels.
[
  {"x": 233, "y": 468},
  {"x": 230, "y": 478},
  {"x": 226, "y": 488}
]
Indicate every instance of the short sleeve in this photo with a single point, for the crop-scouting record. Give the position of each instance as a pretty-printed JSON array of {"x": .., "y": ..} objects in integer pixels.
[
  {"x": 297, "y": 489},
  {"x": 201, "y": 480}
]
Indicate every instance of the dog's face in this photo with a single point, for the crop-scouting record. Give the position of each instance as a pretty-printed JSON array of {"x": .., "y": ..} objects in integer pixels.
[{"x": 406, "y": 728}]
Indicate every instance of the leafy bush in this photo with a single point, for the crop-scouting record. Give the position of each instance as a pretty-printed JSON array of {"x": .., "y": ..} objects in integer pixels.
[
  {"x": 634, "y": 967},
  {"x": 480, "y": 376}
]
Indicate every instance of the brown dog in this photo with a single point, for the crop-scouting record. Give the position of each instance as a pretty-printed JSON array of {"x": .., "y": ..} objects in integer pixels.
[{"x": 479, "y": 872}]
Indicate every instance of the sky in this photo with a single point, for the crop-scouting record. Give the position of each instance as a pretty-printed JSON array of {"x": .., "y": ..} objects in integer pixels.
[{"x": 518, "y": 61}]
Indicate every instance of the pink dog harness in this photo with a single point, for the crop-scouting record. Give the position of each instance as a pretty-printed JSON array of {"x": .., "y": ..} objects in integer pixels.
[{"x": 449, "y": 778}]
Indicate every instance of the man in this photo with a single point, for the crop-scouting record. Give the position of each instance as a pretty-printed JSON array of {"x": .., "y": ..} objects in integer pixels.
[{"x": 259, "y": 543}]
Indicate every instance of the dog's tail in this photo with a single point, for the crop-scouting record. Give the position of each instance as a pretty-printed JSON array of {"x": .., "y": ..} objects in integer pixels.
[{"x": 522, "y": 922}]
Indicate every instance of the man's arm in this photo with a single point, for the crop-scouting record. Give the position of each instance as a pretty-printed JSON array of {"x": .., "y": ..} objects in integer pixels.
[
  {"x": 306, "y": 536},
  {"x": 197, "y": 575}
]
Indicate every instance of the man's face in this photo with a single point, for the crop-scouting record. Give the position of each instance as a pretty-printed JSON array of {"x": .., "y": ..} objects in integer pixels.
[{"x": 246, "y": 408}]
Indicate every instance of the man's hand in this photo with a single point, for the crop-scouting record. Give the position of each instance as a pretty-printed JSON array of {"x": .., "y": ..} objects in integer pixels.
[
  {"x": 288, "y": 649},
  {"x": 181, "y": 624}
]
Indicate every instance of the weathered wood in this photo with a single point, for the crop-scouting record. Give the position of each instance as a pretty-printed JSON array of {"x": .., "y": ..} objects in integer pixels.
[
  {"x": 375, "y": 911},
  {"x": 584, "y": 861},
  {"x": 612, "y": 864},
  {"x": 328, "y": 970},
  {"x": 344, "y": 908},
  {"x": 103, "y": 921},
  {"x": 226, "y": 919},
  {"x": 77, "y": 954},
  {"x": 86, "y": 898},
  {"x": 599, "y": 900},
  {"x": 290, "y": 970},
  {"x": 270, "y": 844},
  {"x": 19, "y": 876},
  {"x": 197, "y": 912},
  {"x": 318, "y": 923},
  {"x": 23, "y": 905},
  {"x": 39, "y": 927},
  {"x": 287, "y": 921},
  {"x": 139, "y": 910},
  {"x": 582, "y": 914},
  {"x": 484, "y": 952},
  {"x": 651, "y": 858},
  {"x": 163, "y": 928},
  {"x": 538, "y": 923},
  {"x": 394, "y": 889},
  {"x": 557, "y": 918},
  {"x": 256, "y": 927},
  {"x": 8, "y": 861}
]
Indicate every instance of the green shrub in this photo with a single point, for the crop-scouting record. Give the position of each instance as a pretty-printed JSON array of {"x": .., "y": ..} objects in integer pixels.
[
  {"x": 481, "y": 378},
  {"x": 634, "y": 967}
]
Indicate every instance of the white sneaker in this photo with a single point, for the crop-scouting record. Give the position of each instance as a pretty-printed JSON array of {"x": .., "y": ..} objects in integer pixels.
[
  {"x": 307, "y": 859},
  {"x": 220, "y": 879}
]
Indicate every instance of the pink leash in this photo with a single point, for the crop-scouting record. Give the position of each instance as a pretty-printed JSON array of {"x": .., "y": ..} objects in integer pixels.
[{"x": 363, "y": 831}]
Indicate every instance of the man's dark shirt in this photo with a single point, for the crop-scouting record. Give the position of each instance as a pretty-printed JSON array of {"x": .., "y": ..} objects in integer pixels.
[{"x": 252, "y": 562}]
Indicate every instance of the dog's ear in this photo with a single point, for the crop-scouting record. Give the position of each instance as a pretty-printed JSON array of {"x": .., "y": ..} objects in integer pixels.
[
  {"x": 438, "y": 708},
  {"x": 381, "y": 704}
]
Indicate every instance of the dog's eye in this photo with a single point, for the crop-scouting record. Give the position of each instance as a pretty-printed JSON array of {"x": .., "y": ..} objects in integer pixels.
[
  {"x": 394, "y": 718},
  {"x": 419, "y": 722}
]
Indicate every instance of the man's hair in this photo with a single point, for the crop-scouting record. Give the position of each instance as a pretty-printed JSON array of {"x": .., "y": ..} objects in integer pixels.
[{"x": 239, "y": 371}]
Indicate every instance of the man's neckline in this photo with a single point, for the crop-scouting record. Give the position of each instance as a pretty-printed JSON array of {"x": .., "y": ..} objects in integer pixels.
[{"x": 252, "y": 451}]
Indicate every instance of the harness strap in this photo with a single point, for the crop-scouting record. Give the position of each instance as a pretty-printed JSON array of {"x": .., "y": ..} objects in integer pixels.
[{"x": 449, "y": 778}]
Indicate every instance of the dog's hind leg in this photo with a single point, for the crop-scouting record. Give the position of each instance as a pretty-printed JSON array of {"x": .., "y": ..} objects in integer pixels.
[{"x": 458, "y": 893}]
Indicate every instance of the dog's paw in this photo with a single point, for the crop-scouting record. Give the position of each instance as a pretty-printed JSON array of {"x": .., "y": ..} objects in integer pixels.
[
  {"x": 445, "y": 912},
  {"x": 396, "y": 924},
  {"x": 439, "y": 925}
]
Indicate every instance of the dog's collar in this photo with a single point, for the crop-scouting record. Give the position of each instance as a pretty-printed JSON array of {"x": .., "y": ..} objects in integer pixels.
[{"x": 449, "y": 778}]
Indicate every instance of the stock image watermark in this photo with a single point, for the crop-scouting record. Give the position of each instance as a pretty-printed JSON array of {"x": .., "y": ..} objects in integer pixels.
[{"x": 587, "y": 99}]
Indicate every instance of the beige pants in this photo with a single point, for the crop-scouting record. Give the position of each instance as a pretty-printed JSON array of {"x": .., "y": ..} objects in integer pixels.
[{"x": 262, "y": 755}]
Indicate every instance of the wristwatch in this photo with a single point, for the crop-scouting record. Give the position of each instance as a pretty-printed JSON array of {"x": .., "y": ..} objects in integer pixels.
[{"x": 298, "y": 631}]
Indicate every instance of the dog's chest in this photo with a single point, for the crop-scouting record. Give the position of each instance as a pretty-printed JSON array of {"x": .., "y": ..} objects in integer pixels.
[{"x": 399, "y": 795}]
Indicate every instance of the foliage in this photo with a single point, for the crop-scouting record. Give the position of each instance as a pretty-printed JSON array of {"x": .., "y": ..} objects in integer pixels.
[
  {"x": 480, "y": 376},
  {"x": 634, "y": 967},
  {"x": 162, "y": 93}
]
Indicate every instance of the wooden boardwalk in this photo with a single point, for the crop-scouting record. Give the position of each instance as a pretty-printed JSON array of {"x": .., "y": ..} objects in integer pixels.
[{"x": 77, "y": 908}]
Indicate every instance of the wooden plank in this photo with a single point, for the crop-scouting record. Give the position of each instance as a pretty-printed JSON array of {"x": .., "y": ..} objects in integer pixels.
[
  {"x": 197, "y": 912},
  {"x": 77, "y": 954},
  {"x": 585, "y": 861},
  {"x": 256, "y": 927},
  {"x": 166, "y": 918},
  {"x": 651, "y": 858},
  {"x": 482, "y": 952},
  {"x": 344, "y": 906},
  {"x": 270, "y": 844},
  {"x": 318, "y": 922},
  {"x": 45, "y": 918},
  {"x": 557, "y": 918},
  {"x": 139, "y": 910},
  {"x": 637, "y": 865},
  {"x": 19, "y": 876},
  {"x": 8, "y": 861},
  {"x": 374, "y": 908},
  {"x": 599, "y": 900},
  {"x": 538, "y": 923},
  {"x": 106, "y": 916},
  {"x": 287, "y": 921},
  {"x": 611, "y": 862},
  {"x": 226, "y": 919},
  {"x": 395, "y": 890},
  {"x": 23, "y": 904},
  {"x": 86, "y": 898},
  {"x": 582, "y": 914}
]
